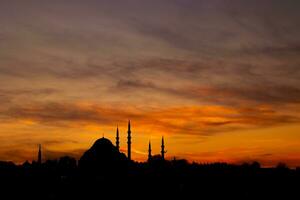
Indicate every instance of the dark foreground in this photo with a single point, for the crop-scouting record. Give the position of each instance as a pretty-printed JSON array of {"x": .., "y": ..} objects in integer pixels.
[{"x": 167, "y": 179}]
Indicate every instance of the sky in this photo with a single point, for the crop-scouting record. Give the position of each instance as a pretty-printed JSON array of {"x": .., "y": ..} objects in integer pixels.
[{"x": 219, "y": 79}]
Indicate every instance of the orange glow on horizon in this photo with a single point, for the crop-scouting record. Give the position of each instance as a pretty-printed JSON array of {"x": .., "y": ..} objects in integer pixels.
[{"x": 190, "y": 133}]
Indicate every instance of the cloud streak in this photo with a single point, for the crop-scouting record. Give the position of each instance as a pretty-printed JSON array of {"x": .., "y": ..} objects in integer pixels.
[{"x": 201, "y": 120}]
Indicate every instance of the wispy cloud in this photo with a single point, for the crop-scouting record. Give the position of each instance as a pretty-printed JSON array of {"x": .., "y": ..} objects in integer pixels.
[{"x": 197, "y": 120}]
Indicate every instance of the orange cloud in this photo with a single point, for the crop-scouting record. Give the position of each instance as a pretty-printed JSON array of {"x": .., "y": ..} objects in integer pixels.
[{"x": 186, "y": 120}]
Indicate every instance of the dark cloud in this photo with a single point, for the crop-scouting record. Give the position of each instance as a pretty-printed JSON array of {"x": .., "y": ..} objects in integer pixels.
[
  {"x": 29, "y": 92},
  {"x": 258, "y": 93},
  {"x": 67, "y": 114},
  {"x": 281, "y": 51},
  {"x": 199, "y": 123}
]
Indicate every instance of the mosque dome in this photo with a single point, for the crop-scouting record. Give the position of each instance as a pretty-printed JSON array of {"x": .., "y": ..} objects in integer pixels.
[
  {"x": 103, "y": 143},
  {"x": 102, "y": 155}
]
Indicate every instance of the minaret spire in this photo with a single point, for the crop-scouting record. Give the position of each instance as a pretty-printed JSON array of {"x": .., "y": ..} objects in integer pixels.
[
  {"x": 129, "y": 141},
  {"x": 40, "y": 155},
  {"x": 149, "y": 152},
  {"x": 163, "y": 148},
  {"x": 118, "y": 139}
]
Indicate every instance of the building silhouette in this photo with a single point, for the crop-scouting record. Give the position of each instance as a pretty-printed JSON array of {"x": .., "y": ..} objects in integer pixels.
[
  {"x": 39, "y": 160},
  {"x": 163, "y": 148},
  {"x": 163, "y": 151},
  {"x": 129, "y": 141},
  {"x": 149, "y": 152},
  {"x": 102, "y": 157},
  {"x": 103, "y": 151},
  {"x": 118, "y": 139},
  {"x": 105, "y": 170}
]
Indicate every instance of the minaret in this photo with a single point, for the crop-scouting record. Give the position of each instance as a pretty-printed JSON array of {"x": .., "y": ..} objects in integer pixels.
[
  {"x": 40, "y": 155},
  {"x": 129, "y": 142},
  {"x": 117, "y": 139},
  {"x": 149, "y": 152},
  {"x": 163, "y": 148}
]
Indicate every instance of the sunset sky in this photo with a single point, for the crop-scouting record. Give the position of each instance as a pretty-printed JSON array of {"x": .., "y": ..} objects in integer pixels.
[{"x": 219, "y": 79}]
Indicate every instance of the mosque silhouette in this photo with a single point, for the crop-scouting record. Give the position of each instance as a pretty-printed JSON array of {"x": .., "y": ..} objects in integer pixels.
[
  {"x": 104, "y": 155},
  {"x": 104, "y": 171}
]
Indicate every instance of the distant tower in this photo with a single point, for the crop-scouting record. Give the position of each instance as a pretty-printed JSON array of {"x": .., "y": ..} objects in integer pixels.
[
  {"x": 149, "y": 152},
  {"x": 117, "y": 139},
  {"x": 129, "y": 142},
  {"x": 163, "y": 148},
  {"x": 40, "y": 155}
]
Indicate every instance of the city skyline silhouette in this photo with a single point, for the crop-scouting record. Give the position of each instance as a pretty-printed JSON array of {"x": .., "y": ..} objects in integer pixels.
[{"x": 103, "y": 167}]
